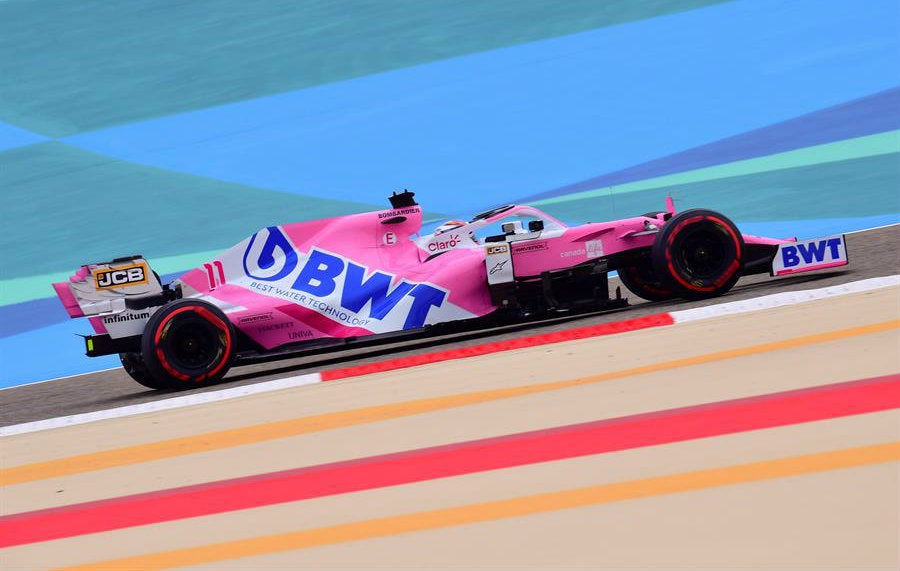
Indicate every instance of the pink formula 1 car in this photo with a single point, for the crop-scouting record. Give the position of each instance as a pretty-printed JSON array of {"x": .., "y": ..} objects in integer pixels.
[{"x": 367, "y": 277}]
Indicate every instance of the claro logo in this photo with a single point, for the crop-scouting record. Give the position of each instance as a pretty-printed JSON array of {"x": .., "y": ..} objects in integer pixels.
[
  {"x": 441, "y": 245},
  {"x": 124, "y": 276}
]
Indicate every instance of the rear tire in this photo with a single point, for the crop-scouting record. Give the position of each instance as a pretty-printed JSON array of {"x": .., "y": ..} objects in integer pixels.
[
  {"x": 134, "y": 365},
  {"x": 698, "y": 254},
  {"x": 187, "y": 344}
]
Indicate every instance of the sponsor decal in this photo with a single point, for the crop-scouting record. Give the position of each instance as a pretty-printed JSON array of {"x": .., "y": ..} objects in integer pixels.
[
  {"x": 275, "y": 326},
  {"x": 456, "y": 237},
  {"x": 498, "y": 267},
  {"x": 300, "y": 335},
  {"x": 398, "y": 212},
  {"x": 215, "y": 274},
  {"x": 531, "y": 247},
  {"x": 254, "y": 318},
  {"x": 121, "y": 276},
  {"x": 127, "y": 323},
  {"x": 594, "y": 248},
  {"x": 389, "y": 239},
  {"x": 810, "y": 255},
  {"x": 122, "y": 317},
  {"x": 810, "y": 252},
  {"x": 498, "y": 262},
  {"x": 448, "y": 243},
  {"x": 572, "y": 253},
  {"x": 336, "y": 286}
]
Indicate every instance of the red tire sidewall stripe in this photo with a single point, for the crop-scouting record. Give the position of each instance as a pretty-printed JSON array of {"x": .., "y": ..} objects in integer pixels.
[
  {"x": 208, "y": 316},
  {"x": 635, "y": 275},
  {"x": 733, "y": 267},
  {"x": 212, "y": 318}
]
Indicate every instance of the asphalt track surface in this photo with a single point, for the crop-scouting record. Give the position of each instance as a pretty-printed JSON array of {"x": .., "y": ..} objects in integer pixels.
[{"x": 873, "y": 253}]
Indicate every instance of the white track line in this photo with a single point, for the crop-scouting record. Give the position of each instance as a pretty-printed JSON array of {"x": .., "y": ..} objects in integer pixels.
[
  {"x": 57, "y": 378},
  {"x": 166, "y": 404},
  {"x": 685, "y": 315},
  {"x": 874, "y": 228},
  {"x": 781, "y": 299}
]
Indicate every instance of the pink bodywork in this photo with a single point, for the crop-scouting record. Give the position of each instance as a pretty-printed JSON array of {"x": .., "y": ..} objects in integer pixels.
[
  {"x": 273, "y": 312},
  {"x": 372, "y": 273},
  {"x": 68, "y": 299},
  {"x": 255, "y": 307},
  {"x": 71, "y": 304}
]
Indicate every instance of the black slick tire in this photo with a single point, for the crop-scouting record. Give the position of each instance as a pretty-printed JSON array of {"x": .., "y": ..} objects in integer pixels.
[
  {"x": 640, "y": 278},
  {"x": 188, "y": 344},
  {"x": 698, "y": 254},
  {"x": 134, "y": 365}
]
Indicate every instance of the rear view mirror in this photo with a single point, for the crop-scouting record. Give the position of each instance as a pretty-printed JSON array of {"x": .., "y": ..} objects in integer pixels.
[{"x": 535, "y": 225}]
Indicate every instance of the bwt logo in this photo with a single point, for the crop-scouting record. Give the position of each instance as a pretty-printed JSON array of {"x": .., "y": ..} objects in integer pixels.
[
  {"x": 810, "y": 252},
  {"x": 331, "y": 279}
]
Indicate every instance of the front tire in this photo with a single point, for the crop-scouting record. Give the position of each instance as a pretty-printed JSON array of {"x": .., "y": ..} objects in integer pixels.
[
  {"x": 187, "y": 344},
  {"x": 698, "y": 254},
  {"x": 640, "y": 278}
]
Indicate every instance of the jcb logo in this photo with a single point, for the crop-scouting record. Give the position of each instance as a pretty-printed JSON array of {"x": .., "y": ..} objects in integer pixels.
[
  {"x": 500, "y": 249},
  {"x": 109, "y": 278}
]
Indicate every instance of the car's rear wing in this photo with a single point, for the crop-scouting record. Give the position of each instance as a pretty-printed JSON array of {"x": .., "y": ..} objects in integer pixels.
[{"x": 117, "y": 296}]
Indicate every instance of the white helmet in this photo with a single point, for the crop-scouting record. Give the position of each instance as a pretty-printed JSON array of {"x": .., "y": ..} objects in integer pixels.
[{"x": 451, "y": 225}]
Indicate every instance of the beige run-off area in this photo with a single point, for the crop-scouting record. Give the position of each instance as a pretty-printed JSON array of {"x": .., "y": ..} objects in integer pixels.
[{"x": 848, "y": 517}]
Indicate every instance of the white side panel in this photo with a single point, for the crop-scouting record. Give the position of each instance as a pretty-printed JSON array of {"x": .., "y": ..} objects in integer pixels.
[
  {"x": 498, "y": 261},
  {"x": 810, "y": 255}
]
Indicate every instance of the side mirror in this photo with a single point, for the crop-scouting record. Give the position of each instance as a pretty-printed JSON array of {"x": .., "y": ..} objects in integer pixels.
[{"x": 535, "y": 225}]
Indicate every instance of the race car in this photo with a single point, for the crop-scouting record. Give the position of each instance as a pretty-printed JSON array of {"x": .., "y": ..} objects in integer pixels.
[{"x": 368, "y": 277}]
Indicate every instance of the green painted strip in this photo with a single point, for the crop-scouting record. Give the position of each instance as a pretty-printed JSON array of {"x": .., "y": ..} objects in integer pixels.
[
  {"x": 18, "y": 290},
  {"x": 64, "y": 206},
  {"x": 854, "y": 188},
  {"x": 860, "y": 147}
]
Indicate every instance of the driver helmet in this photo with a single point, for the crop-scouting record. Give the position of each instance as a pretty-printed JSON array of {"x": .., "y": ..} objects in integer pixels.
[{"x": 450, "y": 225}]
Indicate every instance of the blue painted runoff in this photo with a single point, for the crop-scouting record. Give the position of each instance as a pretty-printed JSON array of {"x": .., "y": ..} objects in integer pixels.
[
  {"x": 12, "y": 137},
  {"x": 48, "y": 353},
  {"x": 475, "y": 130},
  {"x": 876, "y": 113}
]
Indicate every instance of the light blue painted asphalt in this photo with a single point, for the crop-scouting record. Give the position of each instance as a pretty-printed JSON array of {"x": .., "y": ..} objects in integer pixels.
[
  {"x": 30, "y": 348},
  {"x": 12, "y": 137},
  {"x": 479, "y": 129},
  {"x": 873, "y": 114},
  {"x": 804, "y": 229},
  {"x": 49, "y": 353}
]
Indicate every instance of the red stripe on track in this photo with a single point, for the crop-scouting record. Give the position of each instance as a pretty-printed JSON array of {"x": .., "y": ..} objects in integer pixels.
[
  {"x": 726, "y": 417},
  {"x": 646, "y": 322}
]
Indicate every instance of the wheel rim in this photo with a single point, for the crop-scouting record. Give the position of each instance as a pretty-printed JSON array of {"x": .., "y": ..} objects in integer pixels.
[
  {"x": 704, "y": 254},
  {"x": 193, "y": 344}
]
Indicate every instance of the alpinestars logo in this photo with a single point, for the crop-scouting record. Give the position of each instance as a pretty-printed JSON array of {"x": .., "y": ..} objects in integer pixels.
[
  {"x": 498, "y": 267},
  {"x": 337, "y": 287}
]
